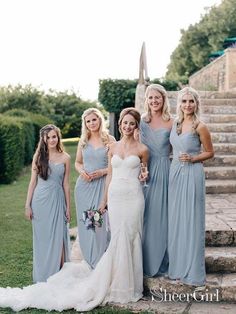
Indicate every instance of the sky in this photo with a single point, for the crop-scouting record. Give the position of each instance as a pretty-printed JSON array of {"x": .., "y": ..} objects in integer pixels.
[{"x": 71, "y": 44}]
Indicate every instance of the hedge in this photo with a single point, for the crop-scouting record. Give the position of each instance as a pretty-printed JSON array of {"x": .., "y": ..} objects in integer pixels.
[
  {"x": 37, "y": 120},
  {"x": 12, "y": 148},
  {"x": 19, "y": 135}
]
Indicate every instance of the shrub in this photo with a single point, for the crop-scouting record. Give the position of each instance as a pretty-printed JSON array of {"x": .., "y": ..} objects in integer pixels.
[{"x": 12, "y": 147}]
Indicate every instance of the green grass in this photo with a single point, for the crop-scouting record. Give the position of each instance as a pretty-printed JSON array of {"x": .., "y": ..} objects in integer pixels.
[
  {"x": 15, "y": 230},
  {"x": 16, "y": 235}
]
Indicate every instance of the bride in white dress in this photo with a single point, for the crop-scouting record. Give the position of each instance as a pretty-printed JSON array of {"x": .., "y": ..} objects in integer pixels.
[{"x": 118, "y": 277}]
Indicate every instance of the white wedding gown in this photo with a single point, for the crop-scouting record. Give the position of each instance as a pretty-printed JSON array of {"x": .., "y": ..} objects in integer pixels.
[{"x": 118, "y": 277}]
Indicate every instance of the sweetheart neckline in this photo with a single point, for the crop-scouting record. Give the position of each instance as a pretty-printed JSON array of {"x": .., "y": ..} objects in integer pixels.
[{"x": 132, "y": 155}]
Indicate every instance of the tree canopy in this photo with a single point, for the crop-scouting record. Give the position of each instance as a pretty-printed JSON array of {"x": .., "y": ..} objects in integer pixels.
[{"x": 201, "y": 39}]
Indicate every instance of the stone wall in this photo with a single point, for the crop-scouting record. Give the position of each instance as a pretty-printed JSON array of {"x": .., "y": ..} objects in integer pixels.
[{"x": 219, "y": 75}]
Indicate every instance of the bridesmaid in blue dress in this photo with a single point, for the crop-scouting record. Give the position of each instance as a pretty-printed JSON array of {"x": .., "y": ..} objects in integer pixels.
[
  {"x": 91, "y": 163},
  {"x": 48, "y": 204},
  {"x": 154, "y": 132},
  {"x": 186, "y": 214}
]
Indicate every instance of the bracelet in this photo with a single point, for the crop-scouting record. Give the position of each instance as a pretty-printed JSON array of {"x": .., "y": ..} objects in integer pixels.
[{"x": 81, "y": 171}]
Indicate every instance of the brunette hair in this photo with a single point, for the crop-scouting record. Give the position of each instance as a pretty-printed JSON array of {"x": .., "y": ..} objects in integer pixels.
[
  {"x": 133, "y": 112},
  {"x": 41, "y": 154}
]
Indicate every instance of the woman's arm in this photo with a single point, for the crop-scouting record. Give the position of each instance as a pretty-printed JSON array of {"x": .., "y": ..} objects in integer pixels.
[
  {"x": 31, "y": 188},
  {"x": 205, "y": 139},
  {"x": 66, "y": 186},
  {"x": 103, "y": 204},
  {"x": 144, "y": 156},
  {"x": 79, "y": 166}
]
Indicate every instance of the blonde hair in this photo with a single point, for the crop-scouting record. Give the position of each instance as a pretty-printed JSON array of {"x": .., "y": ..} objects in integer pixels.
[
  {"x": 147, "y": 117},
  {"x": 85, "y": 134},
  {"x": 180, "y": 114}
]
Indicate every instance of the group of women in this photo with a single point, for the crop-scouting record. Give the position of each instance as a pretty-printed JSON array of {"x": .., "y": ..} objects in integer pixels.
[{"x": 151, "y": 230}]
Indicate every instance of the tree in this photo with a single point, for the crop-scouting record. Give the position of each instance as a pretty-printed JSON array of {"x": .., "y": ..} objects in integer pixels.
[{"x": 199, "y": 40}]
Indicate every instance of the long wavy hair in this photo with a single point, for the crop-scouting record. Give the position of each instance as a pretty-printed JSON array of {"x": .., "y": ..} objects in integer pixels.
[
  {"x": 196, "y": 113},
  {"x": 147, "y": 116},
  {"x": 42, "y": 154},
  {"x": 85, "y": 134},
  {"x": 133, "y": 112}
]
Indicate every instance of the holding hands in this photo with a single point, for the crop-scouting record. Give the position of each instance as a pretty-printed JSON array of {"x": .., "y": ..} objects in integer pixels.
[
  {"x": 89, "y": 176},
  {"x": 184, "y": 157}
]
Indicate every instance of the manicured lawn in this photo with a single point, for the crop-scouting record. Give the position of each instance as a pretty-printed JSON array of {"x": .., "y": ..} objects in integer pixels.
[
  {"x": 15, "y": 230},
  {"x": 16, "y": 234}
]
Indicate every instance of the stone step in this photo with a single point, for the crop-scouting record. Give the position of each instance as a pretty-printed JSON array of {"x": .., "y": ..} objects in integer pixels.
[
  {"x": 157, "y": 305},
  {"x": 172, "y": 95},
  {"x": 220, "y": 223},
  {"x": 218, "y": 109},
  {"x": 222, "y": 127},
  {"x": 217, "y": 95},
  {"x": 220, "y": 186},
  {"x": 220, "y": 259},
  {"x": 219, "y": 137},
  {"x": 220, "y": 173},
  {"x": 225, "y": 148},
  {"x": 220, "y": 230},
  {"x": 221, "y": 285},
  {"x": 219, "y": 118},
  {"x": 218, "y": 102},
  {"x": 221, "y": 160}
]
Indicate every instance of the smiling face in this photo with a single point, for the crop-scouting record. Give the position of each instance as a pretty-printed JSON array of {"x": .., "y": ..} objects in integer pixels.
[
  {"x": 51, "y": 139},
  {"x": 92, "y": 122},
  {"x": 155, "y": 101},
  {"x": 128, "y": 125},
  {"x": 188, "y": 104}
]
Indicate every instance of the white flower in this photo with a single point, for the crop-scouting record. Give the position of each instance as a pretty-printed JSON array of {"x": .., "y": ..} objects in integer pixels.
[
  {"x": 84, "y": 216},
  {"x": 96, "y": 216}
]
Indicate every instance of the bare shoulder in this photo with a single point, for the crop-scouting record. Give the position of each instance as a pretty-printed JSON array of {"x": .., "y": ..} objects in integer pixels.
[
  {"x": 66, "y": 157},
  {"x": 202, "y": 127},
  {"x": 112, "y": 146},
  {"x": 111, "y": 139},
  {"x": 143, "y": 148},
  {"x": 171, "y": 122}
]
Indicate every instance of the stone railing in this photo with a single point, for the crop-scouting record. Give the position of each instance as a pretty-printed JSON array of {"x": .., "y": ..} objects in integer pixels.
[{"x": 219, "y": 75}]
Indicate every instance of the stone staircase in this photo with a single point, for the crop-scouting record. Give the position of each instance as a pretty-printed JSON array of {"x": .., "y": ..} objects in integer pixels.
[
  {"x": 220, "y": 254},
  {"x": 218, "y": 111}
]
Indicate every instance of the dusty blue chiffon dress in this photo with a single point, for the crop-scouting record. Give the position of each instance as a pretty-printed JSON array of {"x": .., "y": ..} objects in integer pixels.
[
  {"x": 155, "y": 257},
  {"x": 50, "y": 232},
  {"x": 89, "y": 194},
  {"x": 186, "y": 214}
]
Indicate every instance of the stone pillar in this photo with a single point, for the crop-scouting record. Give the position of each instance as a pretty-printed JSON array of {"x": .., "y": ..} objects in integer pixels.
[
  {"x": 142, "y": 81},
  {"x": 112, "y": 123},
  {"x": 230, "y": 69}
]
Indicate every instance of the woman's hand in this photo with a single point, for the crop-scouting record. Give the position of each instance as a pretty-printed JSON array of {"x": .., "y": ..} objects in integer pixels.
[
  {"x": 102, "y": 207},
  {"x": 143, "y": 177},
  {"x": 184, "y": 157},
  {"x": 68, "y": 215},
  {"x": 28, "y": 213},
  {"x": 97, "y": 174},
  {"x": 85, "y": 176}
]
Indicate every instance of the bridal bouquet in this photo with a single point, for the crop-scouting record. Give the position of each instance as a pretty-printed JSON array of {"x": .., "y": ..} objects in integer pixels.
[{"x": 92, "y": 218}]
